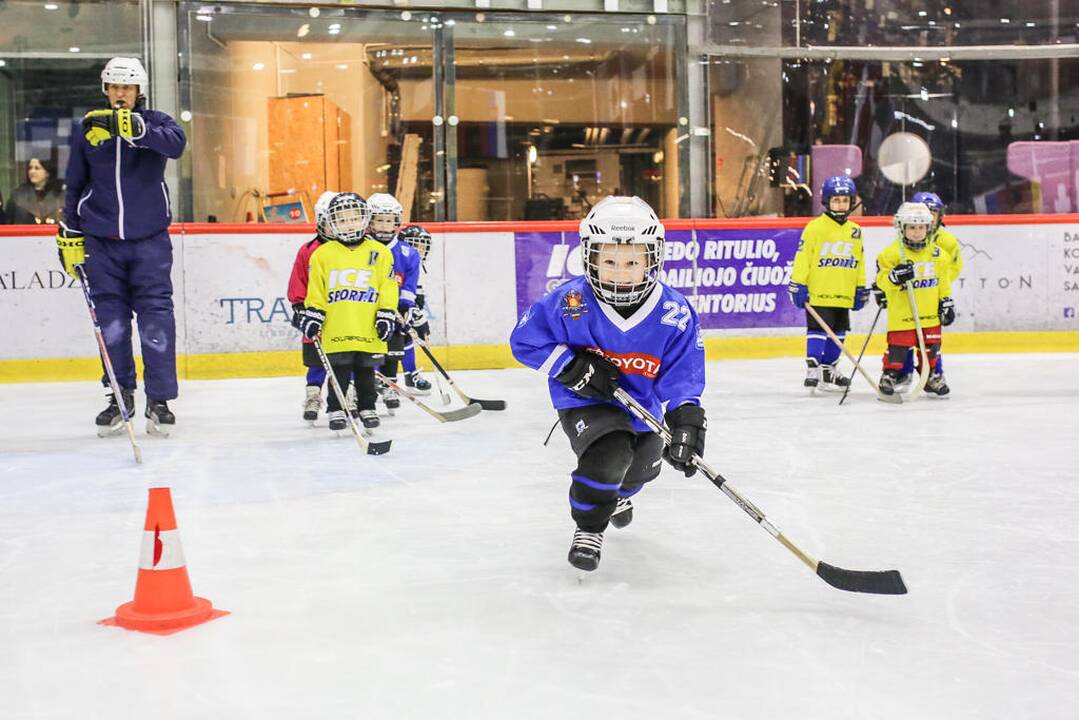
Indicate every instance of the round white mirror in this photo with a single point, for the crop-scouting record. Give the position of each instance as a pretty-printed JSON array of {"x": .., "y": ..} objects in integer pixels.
[{"x": 904, "y": 158}]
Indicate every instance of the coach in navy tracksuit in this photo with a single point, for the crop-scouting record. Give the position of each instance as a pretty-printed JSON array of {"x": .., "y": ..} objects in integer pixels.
[{"x": 115, "y": 223}]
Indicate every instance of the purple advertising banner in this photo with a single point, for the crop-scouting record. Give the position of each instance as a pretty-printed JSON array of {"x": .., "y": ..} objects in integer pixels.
[{"x": 734, "y": 278}]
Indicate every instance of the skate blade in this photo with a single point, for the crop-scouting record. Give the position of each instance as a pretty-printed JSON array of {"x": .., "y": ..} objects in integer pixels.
[
  {"x": 419, "y": 393},
  {"x": 107, "y": 431},
  {"x": 155, "y": 430}
]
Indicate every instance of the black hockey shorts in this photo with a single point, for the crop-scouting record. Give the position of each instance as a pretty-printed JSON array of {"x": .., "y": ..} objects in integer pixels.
[
  {"x": 837, "y": 318},
  {"x": 613, "y": 460}
]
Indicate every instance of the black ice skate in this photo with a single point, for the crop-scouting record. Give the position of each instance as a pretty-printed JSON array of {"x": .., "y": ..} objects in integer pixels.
[
  {"x": 623, "y": 513},
  {"x": 902, "y": 383},
  {"x": 935, "y": 387},
  {"x": 312, "y": 403},
  {"x": 888, "y": 382},
  {"x": 584, "y": 552},
  {"x": 391, "y": 399},
  {"x": 831, "y": 380},
  {"x": 109, "y": 421},
  {"x": 419, "y": 385},
  {"x": 812, "y": 374},
  {"x": 159, "y": 419},
  {"x": 338, "y": 421},
  {"x": 370, "y": 420}
]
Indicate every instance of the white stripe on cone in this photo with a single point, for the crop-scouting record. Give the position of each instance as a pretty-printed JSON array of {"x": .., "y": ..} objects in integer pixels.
[{"x": 162, "y": 546}]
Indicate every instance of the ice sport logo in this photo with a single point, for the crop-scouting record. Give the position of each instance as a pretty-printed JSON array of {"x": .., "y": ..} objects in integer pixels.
[{"x": 632, "y": 363}]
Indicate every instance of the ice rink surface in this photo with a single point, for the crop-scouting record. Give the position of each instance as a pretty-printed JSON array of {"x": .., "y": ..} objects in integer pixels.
[{"x": 432, "y": 582}]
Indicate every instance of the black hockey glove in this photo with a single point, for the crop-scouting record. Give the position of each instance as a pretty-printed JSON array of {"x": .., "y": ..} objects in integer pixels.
[
  {"x": 297, "y": 316},
  {"x": 590, "y": 375},
  {"x": 311, "y": 322},
  {"x": 902, "y": 273},
  {"x": 385, "y": 324},
  {"x": 688, "y": 427},
  {"x": 880, "y": 297},
  {"x": 946, "y": 311}
]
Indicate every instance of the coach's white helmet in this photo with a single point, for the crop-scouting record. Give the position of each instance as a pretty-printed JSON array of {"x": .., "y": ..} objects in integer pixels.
[
  {"x": 912, "y": 214},
  {"x": 386, "y": 216},
  {"x": 619, "y": 220},
  {"x": 125, "y": 71}
]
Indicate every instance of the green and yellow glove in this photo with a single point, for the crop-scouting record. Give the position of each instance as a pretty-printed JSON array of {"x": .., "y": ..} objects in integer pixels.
[
  {"x": 72, "y": 247},
  {"x": 102, "y": 125}
]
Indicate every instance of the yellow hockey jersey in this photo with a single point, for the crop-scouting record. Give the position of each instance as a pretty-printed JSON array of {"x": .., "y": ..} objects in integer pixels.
[
  {"x": 829, "y": 262},
  {"x": 350, "y": 284},
  {"x": 932, "y": 282},
  {"x": 949, "y": 243}
]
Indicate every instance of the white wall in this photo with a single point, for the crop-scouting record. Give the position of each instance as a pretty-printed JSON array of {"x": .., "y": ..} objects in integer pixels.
[{"x": 230, "y": 289}]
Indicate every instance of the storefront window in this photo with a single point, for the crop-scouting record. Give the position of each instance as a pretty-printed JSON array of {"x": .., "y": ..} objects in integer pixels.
[
  {"x": 51, "y": 56},
  {"x": 994, "y": 136},
  {"x": 287, "y": 103},
  {"x": 554, "y": 113}
]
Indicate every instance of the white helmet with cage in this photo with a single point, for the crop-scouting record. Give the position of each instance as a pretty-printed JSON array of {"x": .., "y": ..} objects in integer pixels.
[
  {"x": 125, "y": 71},
  {"x": 912, "y": 214},
  {"x": 386, "y": 216},
  {"x": 347, "y": 216},
  {"x": 622, "y": 249},
  {"x": 322, "y": 205}
]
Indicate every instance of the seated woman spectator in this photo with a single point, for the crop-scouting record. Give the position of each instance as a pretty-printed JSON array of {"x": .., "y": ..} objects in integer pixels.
[{"x": 39, "y": 200}]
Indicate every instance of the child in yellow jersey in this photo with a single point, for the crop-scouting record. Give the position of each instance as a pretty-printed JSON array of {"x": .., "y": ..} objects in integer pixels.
[
  {"x": 949, "y": 245},
  {"x": 351, "y": 305},
  {"x": 913, "y": 260},
  {"x": 829, "y": 274}
]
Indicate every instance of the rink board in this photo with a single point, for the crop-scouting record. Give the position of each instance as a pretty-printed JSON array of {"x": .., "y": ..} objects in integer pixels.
[{"x": 1019, "y": 291}]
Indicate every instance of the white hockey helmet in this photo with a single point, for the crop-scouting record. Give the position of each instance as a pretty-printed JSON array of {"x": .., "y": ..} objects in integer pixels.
[
  {"x": 347, "y": 216},
  {"x": 322, "y": 206},
  {"x": 912, "y": 213},
  {"x": 622, "y": 220},
  {"x": 125, "y": 71},
  {"x": 386, "y": 216}
]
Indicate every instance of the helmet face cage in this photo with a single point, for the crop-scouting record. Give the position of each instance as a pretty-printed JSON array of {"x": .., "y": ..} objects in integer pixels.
[
  {"x": 909, "y": 214},
  {"x": 384, "y": 226},
  {"x": 622, "y": 294},
  {"x": 838, "y": 186},
  {"x": 322, "y": 205},
  {"x": 418, "y": 238},
  {"x": 346, "y": 218}
]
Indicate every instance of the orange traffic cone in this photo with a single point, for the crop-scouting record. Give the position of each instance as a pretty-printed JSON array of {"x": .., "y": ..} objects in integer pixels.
[{"x": 163, "y": 601}]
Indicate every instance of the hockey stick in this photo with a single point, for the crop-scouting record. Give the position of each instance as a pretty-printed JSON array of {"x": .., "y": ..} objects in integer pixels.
[
  {"x": 449, "y": 416},
  {"x": 371, "y": 448},
  {"x": 442, "y": 391},
  {"x": 107, "y": 362},
  {"x": 879, "y": 582},
  {"x": 485, "y": 404},
  {"x": 923, "y": 376},
  {"x": 894, "y": 399},
  {"x": 868, "y": 337}
]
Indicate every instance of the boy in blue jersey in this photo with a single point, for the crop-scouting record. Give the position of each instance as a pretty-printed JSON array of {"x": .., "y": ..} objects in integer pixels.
[
  {"x": 617, "y": 326},
  {"x": 386, "y": 215},
  {"x": 419, "y": 239}
]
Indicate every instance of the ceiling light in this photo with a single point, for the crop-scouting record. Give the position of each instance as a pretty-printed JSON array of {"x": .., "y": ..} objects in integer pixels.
[{"x": 258, "y": 66}]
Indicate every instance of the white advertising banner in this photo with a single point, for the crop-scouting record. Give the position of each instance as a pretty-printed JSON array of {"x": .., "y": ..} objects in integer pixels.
[{"x": 231, "y": 289}]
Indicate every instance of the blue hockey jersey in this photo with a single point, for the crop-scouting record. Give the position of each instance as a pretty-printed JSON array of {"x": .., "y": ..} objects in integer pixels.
[
  {"x": 406, "y": 266},
  {"x": 658, "y": 348}
]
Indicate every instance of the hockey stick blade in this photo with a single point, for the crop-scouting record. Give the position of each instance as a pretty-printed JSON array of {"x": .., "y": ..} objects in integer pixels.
[
  {"x": 877, "y": 582},
  {"x": 462, "y": 413},
  {"x": 378, "y": 448},
  {"x": 488, "y": 404}
]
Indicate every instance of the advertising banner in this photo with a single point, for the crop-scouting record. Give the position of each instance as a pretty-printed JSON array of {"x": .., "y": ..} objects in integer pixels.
[{"x": 735, "y": 278}]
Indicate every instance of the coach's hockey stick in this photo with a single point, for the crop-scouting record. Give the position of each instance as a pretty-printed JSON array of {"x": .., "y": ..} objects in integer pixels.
[
  {"x": 107, "y": 362},
  {"x": 880, "y": 582},
  {"x": 371, "y": 448},
  {"x": 485, "y": 404},
  {"x": 868, "y": 337},
  {"x": 923, "y": 376},
  {"x": 894, "y": 399},
  {"x": 448, "y": 416}
]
